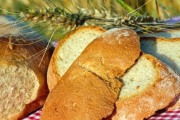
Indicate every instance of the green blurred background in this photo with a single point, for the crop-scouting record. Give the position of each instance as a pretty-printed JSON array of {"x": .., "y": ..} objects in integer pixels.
[
  {"x": 161, "y": 9},
  {"x": 167, "y": 8}
]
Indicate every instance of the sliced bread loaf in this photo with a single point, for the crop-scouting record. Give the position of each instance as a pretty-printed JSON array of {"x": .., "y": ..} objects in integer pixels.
[
  {"x": 90, "y": 87},
  {"x": 149, "y": 81},
  {"x": 23, "y": 85},
  {"x": 148, "y": 86},
  {"x": 168, "y": 51},
  {"x": 68, "y": 50}
]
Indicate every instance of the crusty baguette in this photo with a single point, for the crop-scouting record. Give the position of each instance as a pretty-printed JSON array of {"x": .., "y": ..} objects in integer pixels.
[
  {"x": 90, "y": 87},
  {"x": 168, "y": 51},
  {"x": 68, "y": 50},
  {"x": 23, "y": 86},
  {"x": 148, "y": 86}
]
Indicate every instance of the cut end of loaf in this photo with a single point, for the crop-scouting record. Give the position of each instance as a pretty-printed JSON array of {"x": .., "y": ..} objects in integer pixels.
[
  {"x": 167, "y": 50},
  {"x": 73, "y": 47},
  {"x": 159, "y": 86},
  {"x": 67, "y": 51},
  {"x": 138, "y": 78},
  {"x": 18, "y": 87}
]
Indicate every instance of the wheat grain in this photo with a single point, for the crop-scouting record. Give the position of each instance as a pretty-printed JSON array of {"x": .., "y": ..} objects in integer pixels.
[
  {"x": 92, "y": 13},
  {"x": 68, "y": 16},
  {"x": 60, "y": 17}
]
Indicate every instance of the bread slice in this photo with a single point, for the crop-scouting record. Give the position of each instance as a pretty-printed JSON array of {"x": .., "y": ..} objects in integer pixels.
[
  {"x": 168, "y": 33},
  {"x": 23, "y": 86},
  {"x": 148, "y": 86},
  {"x": 90, "y": 87},
  {"x": 68, "y": 50},
  {"x": 145, "y": 82},
  {"x": 167, "y": 50}
]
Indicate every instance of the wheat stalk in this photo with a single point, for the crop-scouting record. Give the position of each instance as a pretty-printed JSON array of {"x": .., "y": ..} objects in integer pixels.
[
  {"x": 60, "y": 17},
  {"x": 67, "y": 19}
]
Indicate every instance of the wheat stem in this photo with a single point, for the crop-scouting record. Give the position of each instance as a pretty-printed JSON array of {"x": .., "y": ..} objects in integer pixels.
[
  {"x": 128, "y": 8},
  {"x": 47, "y": 46},
  {"x": 65, "y": 18}
]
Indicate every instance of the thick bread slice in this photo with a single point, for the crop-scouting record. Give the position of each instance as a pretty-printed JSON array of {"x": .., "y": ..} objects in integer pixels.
[
  {"x": 168, "y": 51},
  {"x": 23, "y": 86},
  {"x": 165, "y": 49},
  {"x": 169, "y": 33},
  {"x": 68, "y": 50},
  {"x": 90, "y": 87},
  {"x": 148, "y": 86}
]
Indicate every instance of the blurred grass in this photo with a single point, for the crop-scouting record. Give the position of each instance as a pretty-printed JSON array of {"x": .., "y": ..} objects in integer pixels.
[{"x": 167, "y": 8}]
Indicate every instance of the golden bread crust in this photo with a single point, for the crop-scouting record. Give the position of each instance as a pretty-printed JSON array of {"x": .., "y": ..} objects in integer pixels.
[
  {"x": 80, "y": 95},
  {"x": 85, "y": 92},
  {"x": 155, "y": 97},
  {"x": 53, "y": 76},
  {"x": 169, "y": 60}
]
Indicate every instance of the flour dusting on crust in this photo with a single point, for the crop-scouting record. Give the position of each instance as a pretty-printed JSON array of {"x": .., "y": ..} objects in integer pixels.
[{"x": 118, "y": 33}]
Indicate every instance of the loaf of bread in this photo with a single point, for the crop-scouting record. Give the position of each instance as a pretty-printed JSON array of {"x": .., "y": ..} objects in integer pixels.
[
  {"x": 148, "y": 86},
  {"x": 142, "y": 92},
  {"x": 90, "y": 87},
  {"x": 68, "y": 50},
  {"x": 168, "y": 51},
  {"x": 23, "y": 85}
]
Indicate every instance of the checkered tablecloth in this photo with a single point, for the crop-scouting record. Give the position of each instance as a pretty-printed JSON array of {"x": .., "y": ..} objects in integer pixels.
[
  {"x": 34, "y": 116},
  {"x": 168, "y": 115}
]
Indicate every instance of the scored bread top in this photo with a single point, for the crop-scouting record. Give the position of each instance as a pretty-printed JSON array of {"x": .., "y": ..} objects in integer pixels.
[
  {"x": 107, "y": 57},
  {"x": 149, "y": 86},
  {"x": 68, "y": 49},
  {"x": 86, "y": 92}
]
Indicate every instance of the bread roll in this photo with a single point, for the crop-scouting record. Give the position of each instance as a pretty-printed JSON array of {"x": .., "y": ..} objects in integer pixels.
[
  {"x": 23, "y": 85},
  {"x": 90, "y": 87}
]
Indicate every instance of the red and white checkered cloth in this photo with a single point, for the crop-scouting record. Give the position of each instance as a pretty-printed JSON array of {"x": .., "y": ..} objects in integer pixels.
[
  {"x": 168, "y": 115},
  {"x": 34, "y": 116}
]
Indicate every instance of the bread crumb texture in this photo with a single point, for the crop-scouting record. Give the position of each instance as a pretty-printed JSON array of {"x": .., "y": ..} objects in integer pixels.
[
  {"x": 158, "y": 87},
  {"x": 18, "y": 86},
  {"x": 68, "y": 50},
  {"x": 23, "y": 86},
  {"x": 165, "y": 49}
]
